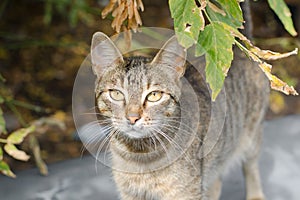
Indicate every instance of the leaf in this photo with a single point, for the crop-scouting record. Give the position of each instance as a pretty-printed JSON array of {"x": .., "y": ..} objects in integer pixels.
[
  {"x": 1, "y": 99},
  {"x": 231, "y": 15},
  {"x": 271, "y": 55},
  {"x": 1, "y": 153},
  {"x": 188, "y": 21},
  {"x": 2, "y": 122},
  {"x": 18, "y": 136},
  {"x": 123, "y": 10},
  {"x": 16, "y": 153},
  {"x": 216, "y": 9},
  {"x": 2, "y": 79},
  {"x": 48, "y": 12},
  {"x": 4, "y": 168},
  {"x": 232, "y": 8},
  {"x": 284, "y": 14},
  {"x": 216, "y": 42},
  {"x": 276, "y": 83}
]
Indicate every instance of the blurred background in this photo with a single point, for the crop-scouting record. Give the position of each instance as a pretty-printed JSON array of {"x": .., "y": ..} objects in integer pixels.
[{"x": 43, "y": 43}]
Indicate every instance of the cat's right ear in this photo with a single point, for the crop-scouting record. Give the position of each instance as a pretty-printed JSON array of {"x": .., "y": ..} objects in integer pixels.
[{"x": 104, "y": 54}]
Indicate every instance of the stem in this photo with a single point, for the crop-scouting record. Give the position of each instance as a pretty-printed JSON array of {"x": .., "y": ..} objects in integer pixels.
[
  {"x": 3, "y": 140},
  {"x": 28, "y": 106},
  {"x": 2, "y": 79},
  {"x": 2, "y": 7},
  {"x": 244, "y": 49},
  {"x": 207, "y": 16},
  {"x": 35, "y": 147},
  {"x": 13, "y": 108}
]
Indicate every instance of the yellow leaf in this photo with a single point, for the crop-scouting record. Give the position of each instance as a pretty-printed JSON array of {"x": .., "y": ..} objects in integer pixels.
[
  {"x": 271, "y": 55},
  {"x": 18, "y": 136},
  {"x": 16, "y": 153},
  {"x": 275, "y": 82}
]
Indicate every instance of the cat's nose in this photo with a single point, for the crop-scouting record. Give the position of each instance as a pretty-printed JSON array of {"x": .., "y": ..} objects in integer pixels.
[{"x": 133, "y": 117}]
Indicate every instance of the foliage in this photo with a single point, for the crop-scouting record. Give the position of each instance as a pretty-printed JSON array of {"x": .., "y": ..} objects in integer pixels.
[
  {"x": 213, "y": 26},
  {"x": 124, "y": 11},
  {"x": 10, "y": 148},
  {"x": 75, "y": 10},
  {"x": 284, "y": 14},
  {"x": 217, "y": 38},
  {"x": 9, "y": 141},
  {"x": 216, "y": 43}
]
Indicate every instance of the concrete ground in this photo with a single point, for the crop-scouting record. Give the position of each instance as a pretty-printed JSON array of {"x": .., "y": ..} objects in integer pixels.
[{"x": 78, "y": 180}]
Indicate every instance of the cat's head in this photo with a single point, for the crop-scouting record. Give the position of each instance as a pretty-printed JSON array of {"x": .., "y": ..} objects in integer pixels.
[{"x": 138, "y": 95}]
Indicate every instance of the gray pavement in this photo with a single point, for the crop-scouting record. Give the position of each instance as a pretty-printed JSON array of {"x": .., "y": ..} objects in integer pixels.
[{"x": 78, "y": 180}]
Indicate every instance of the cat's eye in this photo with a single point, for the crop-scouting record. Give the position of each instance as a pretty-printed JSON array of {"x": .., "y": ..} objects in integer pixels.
[
  {"x": 154, "y": 96},
  {"x": 116, "y": 95}
]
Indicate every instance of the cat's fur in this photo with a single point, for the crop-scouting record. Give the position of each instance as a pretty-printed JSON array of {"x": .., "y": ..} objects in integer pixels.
[{"x": 193, "y": 176}]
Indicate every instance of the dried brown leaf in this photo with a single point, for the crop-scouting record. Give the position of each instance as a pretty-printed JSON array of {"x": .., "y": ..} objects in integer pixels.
[
  {"x": 109, "y": 8},
  {"x": 124, "y": 15},
  {"x": 271, "y": 55},
  {"x": 123, "y": 10},
  {"x": 127, "y": 37},
  {"x": 132, "y": 24},
  {"x": 256, "y": 54},
  {"x": 137, "y": 16},
  {"x": 275, "y": 82},
  {"x": 130, "y": 9},
  {"x": 140, "y": 5}
]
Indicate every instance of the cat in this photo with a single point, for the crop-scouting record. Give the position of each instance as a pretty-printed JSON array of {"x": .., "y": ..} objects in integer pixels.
[{"x": 155, "y": 153}]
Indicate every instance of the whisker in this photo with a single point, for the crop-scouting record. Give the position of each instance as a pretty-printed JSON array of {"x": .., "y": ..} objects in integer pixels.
[
  {"x": 180, "y": 123},
  {"x": 183, "y": 152},
  {"x": 101, "y": 146},
  {"x": 162, "y": 144}
]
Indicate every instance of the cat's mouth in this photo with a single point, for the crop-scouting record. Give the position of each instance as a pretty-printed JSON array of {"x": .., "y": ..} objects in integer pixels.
[{"x": 136, "y": 135}]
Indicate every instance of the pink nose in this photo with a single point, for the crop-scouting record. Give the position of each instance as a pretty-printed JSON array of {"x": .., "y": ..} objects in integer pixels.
[{"x": 133, "y": 117}]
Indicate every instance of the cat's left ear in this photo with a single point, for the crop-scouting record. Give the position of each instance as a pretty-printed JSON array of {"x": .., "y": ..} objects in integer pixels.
[
  {"x": 104, "y": 54},
  {"x": 173, "y": 55}
]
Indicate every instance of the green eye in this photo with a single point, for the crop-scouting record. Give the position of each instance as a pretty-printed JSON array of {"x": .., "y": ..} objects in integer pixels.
[
  {"x": 116, "y": 95},
  {"x": 154, "y": 96}
]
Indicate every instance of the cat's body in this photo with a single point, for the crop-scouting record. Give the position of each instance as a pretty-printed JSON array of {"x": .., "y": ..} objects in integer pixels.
[
  {"x": 246, "y": 97},
  {"x": 141, "y": 98}
]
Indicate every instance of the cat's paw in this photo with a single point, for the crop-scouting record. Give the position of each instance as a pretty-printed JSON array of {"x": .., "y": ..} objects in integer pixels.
[{"x": 257, "y": 198}]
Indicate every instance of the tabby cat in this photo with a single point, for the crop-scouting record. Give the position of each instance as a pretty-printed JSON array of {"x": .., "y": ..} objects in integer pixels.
[{"x": 156, "y": 152}]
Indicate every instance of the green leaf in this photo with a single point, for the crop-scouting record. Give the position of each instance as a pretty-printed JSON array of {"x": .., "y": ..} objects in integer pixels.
[
  {"x": 1, "y": 99},
  {"x": 216, "y": 42},
  {"x": 233, "y": 13},
  {"x": 2, "y": 79},
  {"x": 2, "y": 122},
  {"x": 4, "y": 168},
  {"x": 232, "y": 8},
  {"x": 284, "y": 14},
  {"x": 188, "y": 21},
  {"x": 1, "y": 153},
  {"x": 16, "y": 153},
  {"x": 18, "y": 136},
  {"x": 48, "y": 12}
]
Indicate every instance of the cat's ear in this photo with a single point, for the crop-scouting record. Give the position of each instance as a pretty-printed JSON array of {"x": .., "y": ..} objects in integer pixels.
[
  {"x": 173, "y": 55},
  {"x": 104, "y": 54}
]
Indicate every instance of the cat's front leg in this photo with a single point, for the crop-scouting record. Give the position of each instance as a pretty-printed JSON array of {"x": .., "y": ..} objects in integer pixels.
[
  {"x": 252, "y": 178},
  {"x": 129, "y": 197},
  {"x": 214, "y": 191},
  {"x": 251, "y": 171}
]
